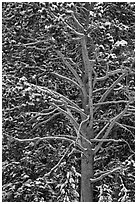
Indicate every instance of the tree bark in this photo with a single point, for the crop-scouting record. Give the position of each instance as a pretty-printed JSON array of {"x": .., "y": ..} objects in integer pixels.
[
  {"x": 86, "y": 174},
  {"x": 87, "y": 161}
]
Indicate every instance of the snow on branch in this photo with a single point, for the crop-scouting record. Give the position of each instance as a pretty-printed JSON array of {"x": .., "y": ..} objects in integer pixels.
[
  {"x": 58, "y": 137},
  {"x": 93, "y": 180},
  {"x": 54, "y": 94},
  {"x": 105, "y": 140},
  {"x": 49, "y": 110}
]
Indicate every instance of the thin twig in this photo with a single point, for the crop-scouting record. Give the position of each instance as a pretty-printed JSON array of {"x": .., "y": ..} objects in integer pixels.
[
  {"x": 76, "y": 32},
  {"x": 110, "y": 102},
  {"x": 66, "y": 78},
  {"x": 58, "y": 137},
  {"x": 77, "y": 22},
  {"x": 122, "y": 126},
  {"x": 57, "y": 165},
  {"x": 54, "y": 94},
  {"x": 44, "y": 122}
]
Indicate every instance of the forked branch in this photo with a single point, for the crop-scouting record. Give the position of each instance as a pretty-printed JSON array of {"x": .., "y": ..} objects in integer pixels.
[
  {"x": 93, "y": 180},
  {"x": 111, "y": 125}
]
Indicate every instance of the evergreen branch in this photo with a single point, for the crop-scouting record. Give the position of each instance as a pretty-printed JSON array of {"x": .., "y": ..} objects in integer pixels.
[
  {"x": 66, "y": 78},
  {"x": 16, "y": 107},
  {"x": 112, "y": 123},
  {"x": 37, "y": 114},
  {"x": 93, "y": 180},
  {"x": 42, "y": 113}
]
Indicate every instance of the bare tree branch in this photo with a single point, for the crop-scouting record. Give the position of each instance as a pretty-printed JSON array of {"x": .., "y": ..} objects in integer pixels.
[
  {"x": 55, "y": 94},
  {"x": 66, "y": 78},
  {"x": 57, "y": 165},
  {"x": 70, "y": 117},
  {"x": 102, "y": 130},
  {"x": 118, "y": 71},
  {"x": 105, "y": 140},
  {"x": 77, "y": 22},
  {"x": 122, "y": 126},
  {"x": 128, "y": 146},
  {"x": 77, "y": 110},
  {"x": 93, "y": 180},
  {"x": 110, "y": 89},
  {"x": 58, "y": 137},
  {"x": 112, "y": 123},
  {"x": 128, "y": 126},
  {"x": 76, "y": 32},
  {"x": 44, "y": 122},
  {"x": 73, "y": 72},
  {"x": 110, "y": 102}
]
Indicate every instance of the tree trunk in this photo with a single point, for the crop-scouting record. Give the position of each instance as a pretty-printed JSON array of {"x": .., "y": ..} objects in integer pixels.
[{"x": 87, "y": 173}]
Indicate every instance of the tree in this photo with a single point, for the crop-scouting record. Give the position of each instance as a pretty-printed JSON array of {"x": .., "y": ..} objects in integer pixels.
[{"x": 76, "y": 64}]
